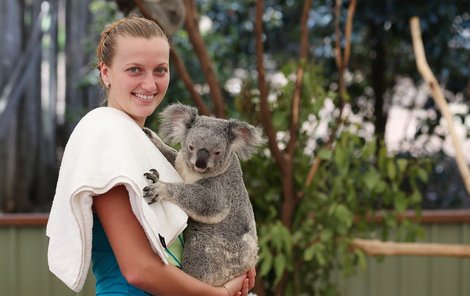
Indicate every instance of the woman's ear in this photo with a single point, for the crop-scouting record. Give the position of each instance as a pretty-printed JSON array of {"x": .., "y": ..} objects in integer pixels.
[{"x": 104, "y": 73}]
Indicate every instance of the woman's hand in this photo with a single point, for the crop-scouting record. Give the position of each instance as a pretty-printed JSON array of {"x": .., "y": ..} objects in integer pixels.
[
  {"x": 251, "y": 275},
  {"x": 241, "y": 285}
]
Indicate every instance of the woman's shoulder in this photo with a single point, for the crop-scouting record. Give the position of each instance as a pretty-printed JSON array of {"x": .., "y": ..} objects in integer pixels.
[
  {"x": 107, "y": 116},
  {"x": 106, "y": 120},
  {"x": 106, "y": 128}
]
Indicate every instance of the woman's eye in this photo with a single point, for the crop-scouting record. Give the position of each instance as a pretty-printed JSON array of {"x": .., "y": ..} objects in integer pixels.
[
  {"x": 133, "y": 69},
  {"x": 161, "y": 70}
]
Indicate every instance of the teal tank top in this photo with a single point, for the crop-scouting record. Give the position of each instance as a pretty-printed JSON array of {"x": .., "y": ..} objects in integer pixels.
[{"x": 109, "y": 279}]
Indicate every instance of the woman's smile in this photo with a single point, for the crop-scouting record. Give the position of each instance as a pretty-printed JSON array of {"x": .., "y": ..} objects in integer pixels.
[{"x": 144, "y": 97}]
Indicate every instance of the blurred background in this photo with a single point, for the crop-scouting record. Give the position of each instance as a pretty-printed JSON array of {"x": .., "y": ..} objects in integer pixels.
[{"x": 357, "y": 146}]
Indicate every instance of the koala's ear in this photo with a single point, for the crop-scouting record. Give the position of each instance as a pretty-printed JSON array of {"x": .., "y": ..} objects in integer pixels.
[
  {"x": 244, "y": 137},
  {"x": 176, "y": 119}
]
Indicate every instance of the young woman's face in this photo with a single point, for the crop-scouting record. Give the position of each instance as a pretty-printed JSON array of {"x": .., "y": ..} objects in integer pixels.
[{"x": 138, "y": 76}]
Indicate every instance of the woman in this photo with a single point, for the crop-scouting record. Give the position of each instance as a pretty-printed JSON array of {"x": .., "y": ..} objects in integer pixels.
[{"x": 133, "y": 60}]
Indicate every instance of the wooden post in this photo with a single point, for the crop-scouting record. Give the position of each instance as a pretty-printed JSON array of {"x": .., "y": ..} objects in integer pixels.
[{"x": 439, "y": 98}]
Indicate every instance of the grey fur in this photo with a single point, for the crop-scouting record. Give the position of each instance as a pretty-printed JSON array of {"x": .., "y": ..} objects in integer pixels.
[
  {"x": 220, "y": 240},
  {"x": 170, "y": 14}
]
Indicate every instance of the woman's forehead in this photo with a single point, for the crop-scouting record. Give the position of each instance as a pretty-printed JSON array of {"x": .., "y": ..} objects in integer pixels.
[{"x": 140, "y": 50}]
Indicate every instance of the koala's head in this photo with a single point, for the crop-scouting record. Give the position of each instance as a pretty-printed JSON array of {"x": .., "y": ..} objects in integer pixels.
[{"x": 207, "y": 143}]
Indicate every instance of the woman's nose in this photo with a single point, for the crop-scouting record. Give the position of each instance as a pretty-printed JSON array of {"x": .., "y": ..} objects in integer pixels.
[{"x": 149, "y": 83}]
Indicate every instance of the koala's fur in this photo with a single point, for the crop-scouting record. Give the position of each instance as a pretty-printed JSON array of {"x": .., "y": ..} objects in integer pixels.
[
  {"x": 169, "y": 13},
  {"x": 220, "y": 240}
]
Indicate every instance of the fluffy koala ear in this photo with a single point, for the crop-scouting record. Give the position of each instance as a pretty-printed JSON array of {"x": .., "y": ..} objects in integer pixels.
[
  {"x": 244, "y": 137},
  {"x": 176, "y": 119}
]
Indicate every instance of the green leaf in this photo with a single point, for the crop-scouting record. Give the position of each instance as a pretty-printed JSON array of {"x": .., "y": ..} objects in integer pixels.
[
  {"x": 380, "y": 187},
  {"x": 402, "y": 164},
  {"x": 416, "y": 197},
  {"x": 340, "y": 156},
  {"x": 279, "y": 266},
  {"x": 400, "y": 203},
  {"x": 266, "y": 264},
  {"x": 326, "y": 235},
  {"x": 320, "y": 257},
  {"x": 325, "y": 154},
  {"x": 361, "y": 259},
  {"x": 371, "y": 178},
  {"x": 423, "y": 175},
  {"x": 391, "y": 170},
  {"x": 343, "y": 214},
  {"x": 309, "y": 253}
]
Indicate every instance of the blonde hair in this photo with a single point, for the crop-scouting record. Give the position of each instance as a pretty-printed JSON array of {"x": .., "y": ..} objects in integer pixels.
[{"x": 125, "y": 27}]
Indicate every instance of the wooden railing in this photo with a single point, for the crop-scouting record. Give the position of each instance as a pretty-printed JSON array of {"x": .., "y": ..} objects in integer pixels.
[
  {"x": 427, "y": 217},
  {"x": 24, "y": 270}
]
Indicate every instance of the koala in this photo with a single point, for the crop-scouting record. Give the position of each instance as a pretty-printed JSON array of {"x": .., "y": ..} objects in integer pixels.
[
  {"x": 220, "y": 240},
  {"x": 169, "y": 13}
]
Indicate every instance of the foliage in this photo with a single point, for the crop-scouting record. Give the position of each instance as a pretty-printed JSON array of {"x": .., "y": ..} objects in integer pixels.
[{"x": 352, "y": 182}]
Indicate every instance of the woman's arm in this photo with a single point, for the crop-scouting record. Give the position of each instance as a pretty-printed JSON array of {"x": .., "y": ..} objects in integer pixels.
[{"x": 139, "y": 265}]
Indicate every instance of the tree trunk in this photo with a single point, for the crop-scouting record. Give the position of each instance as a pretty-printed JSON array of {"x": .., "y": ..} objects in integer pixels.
[
  {"x": 11, "y": 27},
  {"x": 47, "y": 167},
  {"x": 378, "y": 78},
  {"x": 77, "y": 20}
]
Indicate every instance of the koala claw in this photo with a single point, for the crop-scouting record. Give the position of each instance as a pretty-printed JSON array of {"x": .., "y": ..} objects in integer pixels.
[
  {"x": 150, "y": 195},
  {"x": 152, "y": 175},
  {"x": 153, "y": 200},
  {"x": 147, "y": 132}
]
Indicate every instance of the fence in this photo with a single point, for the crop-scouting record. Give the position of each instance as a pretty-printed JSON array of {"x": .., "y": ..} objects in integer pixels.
[{"x": 24, "y": 271}]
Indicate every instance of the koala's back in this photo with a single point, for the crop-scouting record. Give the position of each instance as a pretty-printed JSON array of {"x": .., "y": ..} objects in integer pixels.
[{"x": 216, "y": 253}]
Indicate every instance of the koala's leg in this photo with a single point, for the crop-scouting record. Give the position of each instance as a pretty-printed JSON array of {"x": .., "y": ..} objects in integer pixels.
[
  {"x": 168, "y": 152},
  {"x": 210, "y": 257}
]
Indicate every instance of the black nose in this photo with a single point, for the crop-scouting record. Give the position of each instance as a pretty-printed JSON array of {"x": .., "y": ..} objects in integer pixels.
[{"x": 201, "y": 158}]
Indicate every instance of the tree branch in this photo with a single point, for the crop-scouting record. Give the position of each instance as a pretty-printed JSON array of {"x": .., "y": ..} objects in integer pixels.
[
  {"x": 191, "y": 25},
  {"x": 342, "y": 57},
  {"x": 439, "y": 98},
  {"x": 348, "y": 32},
  {"x": 342, "y": 61},
  {"x": 184, "y": 76},
  {"x": 379, "y": 248},
  {"x": 338, "y": 59},
  {"x": 266, "y": 118},
  {"x": 295, "y": 108}
]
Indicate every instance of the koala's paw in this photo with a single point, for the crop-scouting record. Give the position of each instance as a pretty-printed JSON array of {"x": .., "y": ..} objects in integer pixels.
[
  {"x": 154, "y": 192},
  {"x": 148, "y": 132},
  {"x": 152, "y": 175}
]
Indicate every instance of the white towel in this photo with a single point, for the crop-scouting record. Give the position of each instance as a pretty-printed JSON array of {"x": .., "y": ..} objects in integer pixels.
[{"x": 106, "y": 148}]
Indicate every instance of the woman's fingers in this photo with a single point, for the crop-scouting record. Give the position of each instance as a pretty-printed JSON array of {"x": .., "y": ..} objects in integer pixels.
[
  {"x": 235, "y": 286},
  {"x": 251, "y": 275},
  {"x": 245, "y": 283}
]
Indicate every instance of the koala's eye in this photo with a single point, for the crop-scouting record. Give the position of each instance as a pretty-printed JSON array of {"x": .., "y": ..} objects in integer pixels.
[
  {"x": 191, "y": 148},
  {"x": 217, "y": 153}
]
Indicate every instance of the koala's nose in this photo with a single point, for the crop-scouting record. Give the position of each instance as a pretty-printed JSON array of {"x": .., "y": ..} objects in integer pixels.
[{"x": 201, "y": 158}]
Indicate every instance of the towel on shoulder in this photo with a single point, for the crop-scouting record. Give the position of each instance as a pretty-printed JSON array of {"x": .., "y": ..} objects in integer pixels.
[{"x": 107, "y": 148}]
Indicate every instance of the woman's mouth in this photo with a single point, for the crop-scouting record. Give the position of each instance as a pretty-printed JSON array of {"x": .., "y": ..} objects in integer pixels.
[{"x": 144, "y": 97}]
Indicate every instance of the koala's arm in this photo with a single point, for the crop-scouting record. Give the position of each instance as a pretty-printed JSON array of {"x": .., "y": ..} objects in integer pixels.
[
  {"x": 168, "y": 152},
  {"x": 203, "y": 203}
]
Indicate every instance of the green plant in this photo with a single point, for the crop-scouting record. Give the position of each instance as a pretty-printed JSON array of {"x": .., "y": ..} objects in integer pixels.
[{"x": 355, "y": 180}]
